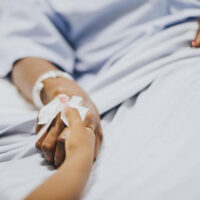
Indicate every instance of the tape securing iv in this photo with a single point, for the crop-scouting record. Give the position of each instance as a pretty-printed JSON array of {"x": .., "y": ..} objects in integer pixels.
[
  {"x": 37, "y": 88},
  {"x": 48, "y": 113}
]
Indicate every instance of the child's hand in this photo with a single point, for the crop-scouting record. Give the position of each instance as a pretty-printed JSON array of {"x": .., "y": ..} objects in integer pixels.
[
  {"x": 196, "y": 41},
  {"x": 80, "y": 140},
  {"x": 70, "y": 179},
  {"x": 52, "y": 143}
]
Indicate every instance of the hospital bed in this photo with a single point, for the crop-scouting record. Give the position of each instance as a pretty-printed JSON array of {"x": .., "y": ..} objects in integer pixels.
[{"x": 146, "y": 159}]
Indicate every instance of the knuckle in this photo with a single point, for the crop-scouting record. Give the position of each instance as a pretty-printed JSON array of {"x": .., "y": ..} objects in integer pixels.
[
  {"x": 48, "y": 157},
  {"x": 47, "y": 152},
  {"x": 89, "y": 117}
]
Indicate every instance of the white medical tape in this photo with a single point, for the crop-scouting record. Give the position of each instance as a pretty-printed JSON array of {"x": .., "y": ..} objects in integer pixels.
[
  {"x": 45, "y": 117},
  {"x": 75, "y": 103},
  {"x": 50, "y": 111},
  {"x": 38, "y": 86}
]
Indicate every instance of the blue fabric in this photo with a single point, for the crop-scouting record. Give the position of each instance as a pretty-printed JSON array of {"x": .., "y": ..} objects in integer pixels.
[{"x": 81, "y": 36}]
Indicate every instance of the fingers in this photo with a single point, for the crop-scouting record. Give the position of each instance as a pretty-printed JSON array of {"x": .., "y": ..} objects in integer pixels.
[
  {"x": 80, "y": 139},
  {"x": 196, "y": 41},
  {"x": 59, "y": 156},
  {"x": 90, "y": 121},
  {"x": 74, "y": 119},
  {"x": 37, "y": 129},
  {"x": 53, "y": 146},
  {"x": 53, "y": 142},
  {"x": 49, "y": 144},
  {"x": 40, "y": 141},
  {"x": 60, "y": 148}
]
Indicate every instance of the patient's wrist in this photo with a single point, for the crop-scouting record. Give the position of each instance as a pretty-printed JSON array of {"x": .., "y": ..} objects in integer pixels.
[
  {"x": 55, "y": 86},
  {"x": 51, "y": 89},
  {"x": 81, "y": 158}
]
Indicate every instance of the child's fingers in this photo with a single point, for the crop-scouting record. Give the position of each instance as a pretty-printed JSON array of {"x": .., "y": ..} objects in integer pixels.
[
  {"x": 73, "y": 118},
  {"x": 196, "y": 41}
]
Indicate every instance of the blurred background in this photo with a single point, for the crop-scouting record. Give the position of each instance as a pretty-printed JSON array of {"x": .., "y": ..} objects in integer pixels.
[{"x": 0, "y": 6}]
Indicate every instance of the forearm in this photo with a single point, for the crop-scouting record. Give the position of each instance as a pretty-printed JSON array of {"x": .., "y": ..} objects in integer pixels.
[
  {"x": 27, "y": 71},
  {"x": 68, "y": 182}
]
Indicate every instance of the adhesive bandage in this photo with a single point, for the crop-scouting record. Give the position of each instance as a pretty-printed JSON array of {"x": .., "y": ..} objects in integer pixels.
[{"x": 50, "y": 111}]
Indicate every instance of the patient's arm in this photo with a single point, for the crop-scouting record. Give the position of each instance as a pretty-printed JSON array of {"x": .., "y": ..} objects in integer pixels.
[
  {"x": 69, "y": 180},
  {"x": 25, "y": 73},
  {"x": 196, "y": 41}
]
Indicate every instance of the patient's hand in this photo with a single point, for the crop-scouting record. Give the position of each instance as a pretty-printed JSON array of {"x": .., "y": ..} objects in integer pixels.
[
  {"x": 52, "y": 143},
  {"x": 196, "y": 41}
]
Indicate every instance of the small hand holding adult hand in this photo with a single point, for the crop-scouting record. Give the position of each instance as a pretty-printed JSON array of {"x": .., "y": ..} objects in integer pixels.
[
  {"x": 80, "y": 140},
  {"x": 69, "y": 180},
  {"x": 52, "y": 143}
]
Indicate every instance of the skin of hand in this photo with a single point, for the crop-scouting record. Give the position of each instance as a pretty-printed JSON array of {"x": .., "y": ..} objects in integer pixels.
[
  {"x": 196, "y": 42},
  {"x": 69, "y": 180},
  {"x": 51, "y": 144},
  {"x": 79, "y": 139}
]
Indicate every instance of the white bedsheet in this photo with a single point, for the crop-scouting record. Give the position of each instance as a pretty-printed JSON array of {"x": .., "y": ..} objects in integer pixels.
[
  {"x": 150, "y": 150},
  {"x": 151, "y": 140}
]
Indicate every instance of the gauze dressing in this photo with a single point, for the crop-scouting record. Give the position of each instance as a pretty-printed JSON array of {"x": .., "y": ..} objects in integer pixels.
[
  {"x": 46, "y": 116},
  {"x": 50, "y": 111}
]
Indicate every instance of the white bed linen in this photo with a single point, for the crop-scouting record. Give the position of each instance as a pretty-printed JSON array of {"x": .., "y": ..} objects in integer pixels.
[
  {"x": 151, "y": 141},
  {"x": 150, "y": 150}
]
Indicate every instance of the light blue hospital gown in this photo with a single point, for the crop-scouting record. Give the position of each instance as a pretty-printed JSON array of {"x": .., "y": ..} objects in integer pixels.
[{"x": 133, "y": 58}]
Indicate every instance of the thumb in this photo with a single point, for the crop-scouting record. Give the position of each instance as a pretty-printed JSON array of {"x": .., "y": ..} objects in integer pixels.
[{"x": 73, "y": 118}]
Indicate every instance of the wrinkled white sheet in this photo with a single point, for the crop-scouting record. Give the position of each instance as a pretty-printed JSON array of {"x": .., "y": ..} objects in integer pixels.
[
  {"x": 150, "y": 150},
  {"x": 151, "y": 135}
]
